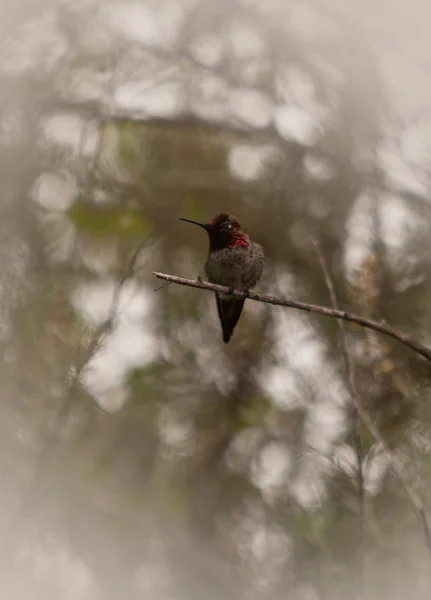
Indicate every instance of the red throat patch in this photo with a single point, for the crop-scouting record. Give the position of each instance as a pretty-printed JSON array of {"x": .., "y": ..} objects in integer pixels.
[{"x": 238, "y": 240}]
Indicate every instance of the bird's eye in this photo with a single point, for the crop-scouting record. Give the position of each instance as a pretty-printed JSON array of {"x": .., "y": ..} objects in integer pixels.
[{"x": 227, "y": 225}]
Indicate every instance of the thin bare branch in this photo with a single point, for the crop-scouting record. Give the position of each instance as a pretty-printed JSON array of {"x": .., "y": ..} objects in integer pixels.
[
  {"x": 381, "y": 326},
  {"x": 346, "y": 316}
]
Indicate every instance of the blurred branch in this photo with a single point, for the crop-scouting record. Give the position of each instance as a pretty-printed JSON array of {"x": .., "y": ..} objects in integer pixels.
[
  {"x": 334, "y": 313},
  {"x": 366, "y": 419},
  {"x": 40, "y": 471},
  {"x": 350, "y": 370},
  {"x": 104, "y": 115}
]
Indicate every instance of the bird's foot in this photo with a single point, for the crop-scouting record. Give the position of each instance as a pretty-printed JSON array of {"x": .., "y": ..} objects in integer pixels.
[
  {"x": 231, "y": 291},
  {"x": 246, "y": 293},
  {"x": 199, "y": 279}
]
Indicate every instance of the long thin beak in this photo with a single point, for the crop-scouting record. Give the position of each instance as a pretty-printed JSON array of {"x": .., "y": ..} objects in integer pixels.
[{"x": 204, "y": 225}]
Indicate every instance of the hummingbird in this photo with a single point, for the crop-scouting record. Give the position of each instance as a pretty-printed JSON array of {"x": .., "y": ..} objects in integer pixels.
[{"x": 233, "y": 261}]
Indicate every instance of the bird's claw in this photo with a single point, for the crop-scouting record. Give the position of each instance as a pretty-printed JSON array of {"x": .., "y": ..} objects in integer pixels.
[
  {"x": 199, "y": 279},
  {"x": 246, "y": 293},
  {"x": 231, "y": 290}
]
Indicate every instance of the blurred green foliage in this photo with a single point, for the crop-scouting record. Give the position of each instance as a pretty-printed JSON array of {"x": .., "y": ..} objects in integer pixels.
[{"x": 119, "y": 221}]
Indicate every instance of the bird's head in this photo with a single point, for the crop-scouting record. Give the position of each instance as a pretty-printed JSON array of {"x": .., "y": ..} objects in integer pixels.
[{"x": 224, "y": 231}]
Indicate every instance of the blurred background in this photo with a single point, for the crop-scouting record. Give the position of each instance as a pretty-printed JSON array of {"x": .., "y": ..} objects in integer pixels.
[{"x": 141, "y": 458}]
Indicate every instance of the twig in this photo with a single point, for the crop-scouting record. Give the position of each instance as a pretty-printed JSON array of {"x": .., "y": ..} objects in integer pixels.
[
  {"x": 381, "y": 327},
  {"x": 366, "y": 419},
  {"x": 161, "y": 287}
]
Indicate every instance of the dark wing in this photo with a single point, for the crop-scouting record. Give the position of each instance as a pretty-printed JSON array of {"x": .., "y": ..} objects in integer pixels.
[{"x": 229, "y": 311}]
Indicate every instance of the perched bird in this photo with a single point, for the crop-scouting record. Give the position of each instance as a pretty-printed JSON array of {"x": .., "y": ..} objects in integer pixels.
[{"x": 233, "y": 261}]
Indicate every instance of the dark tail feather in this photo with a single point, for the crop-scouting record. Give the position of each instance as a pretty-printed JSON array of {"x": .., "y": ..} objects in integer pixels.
[{"x": 229, "y": 311}]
